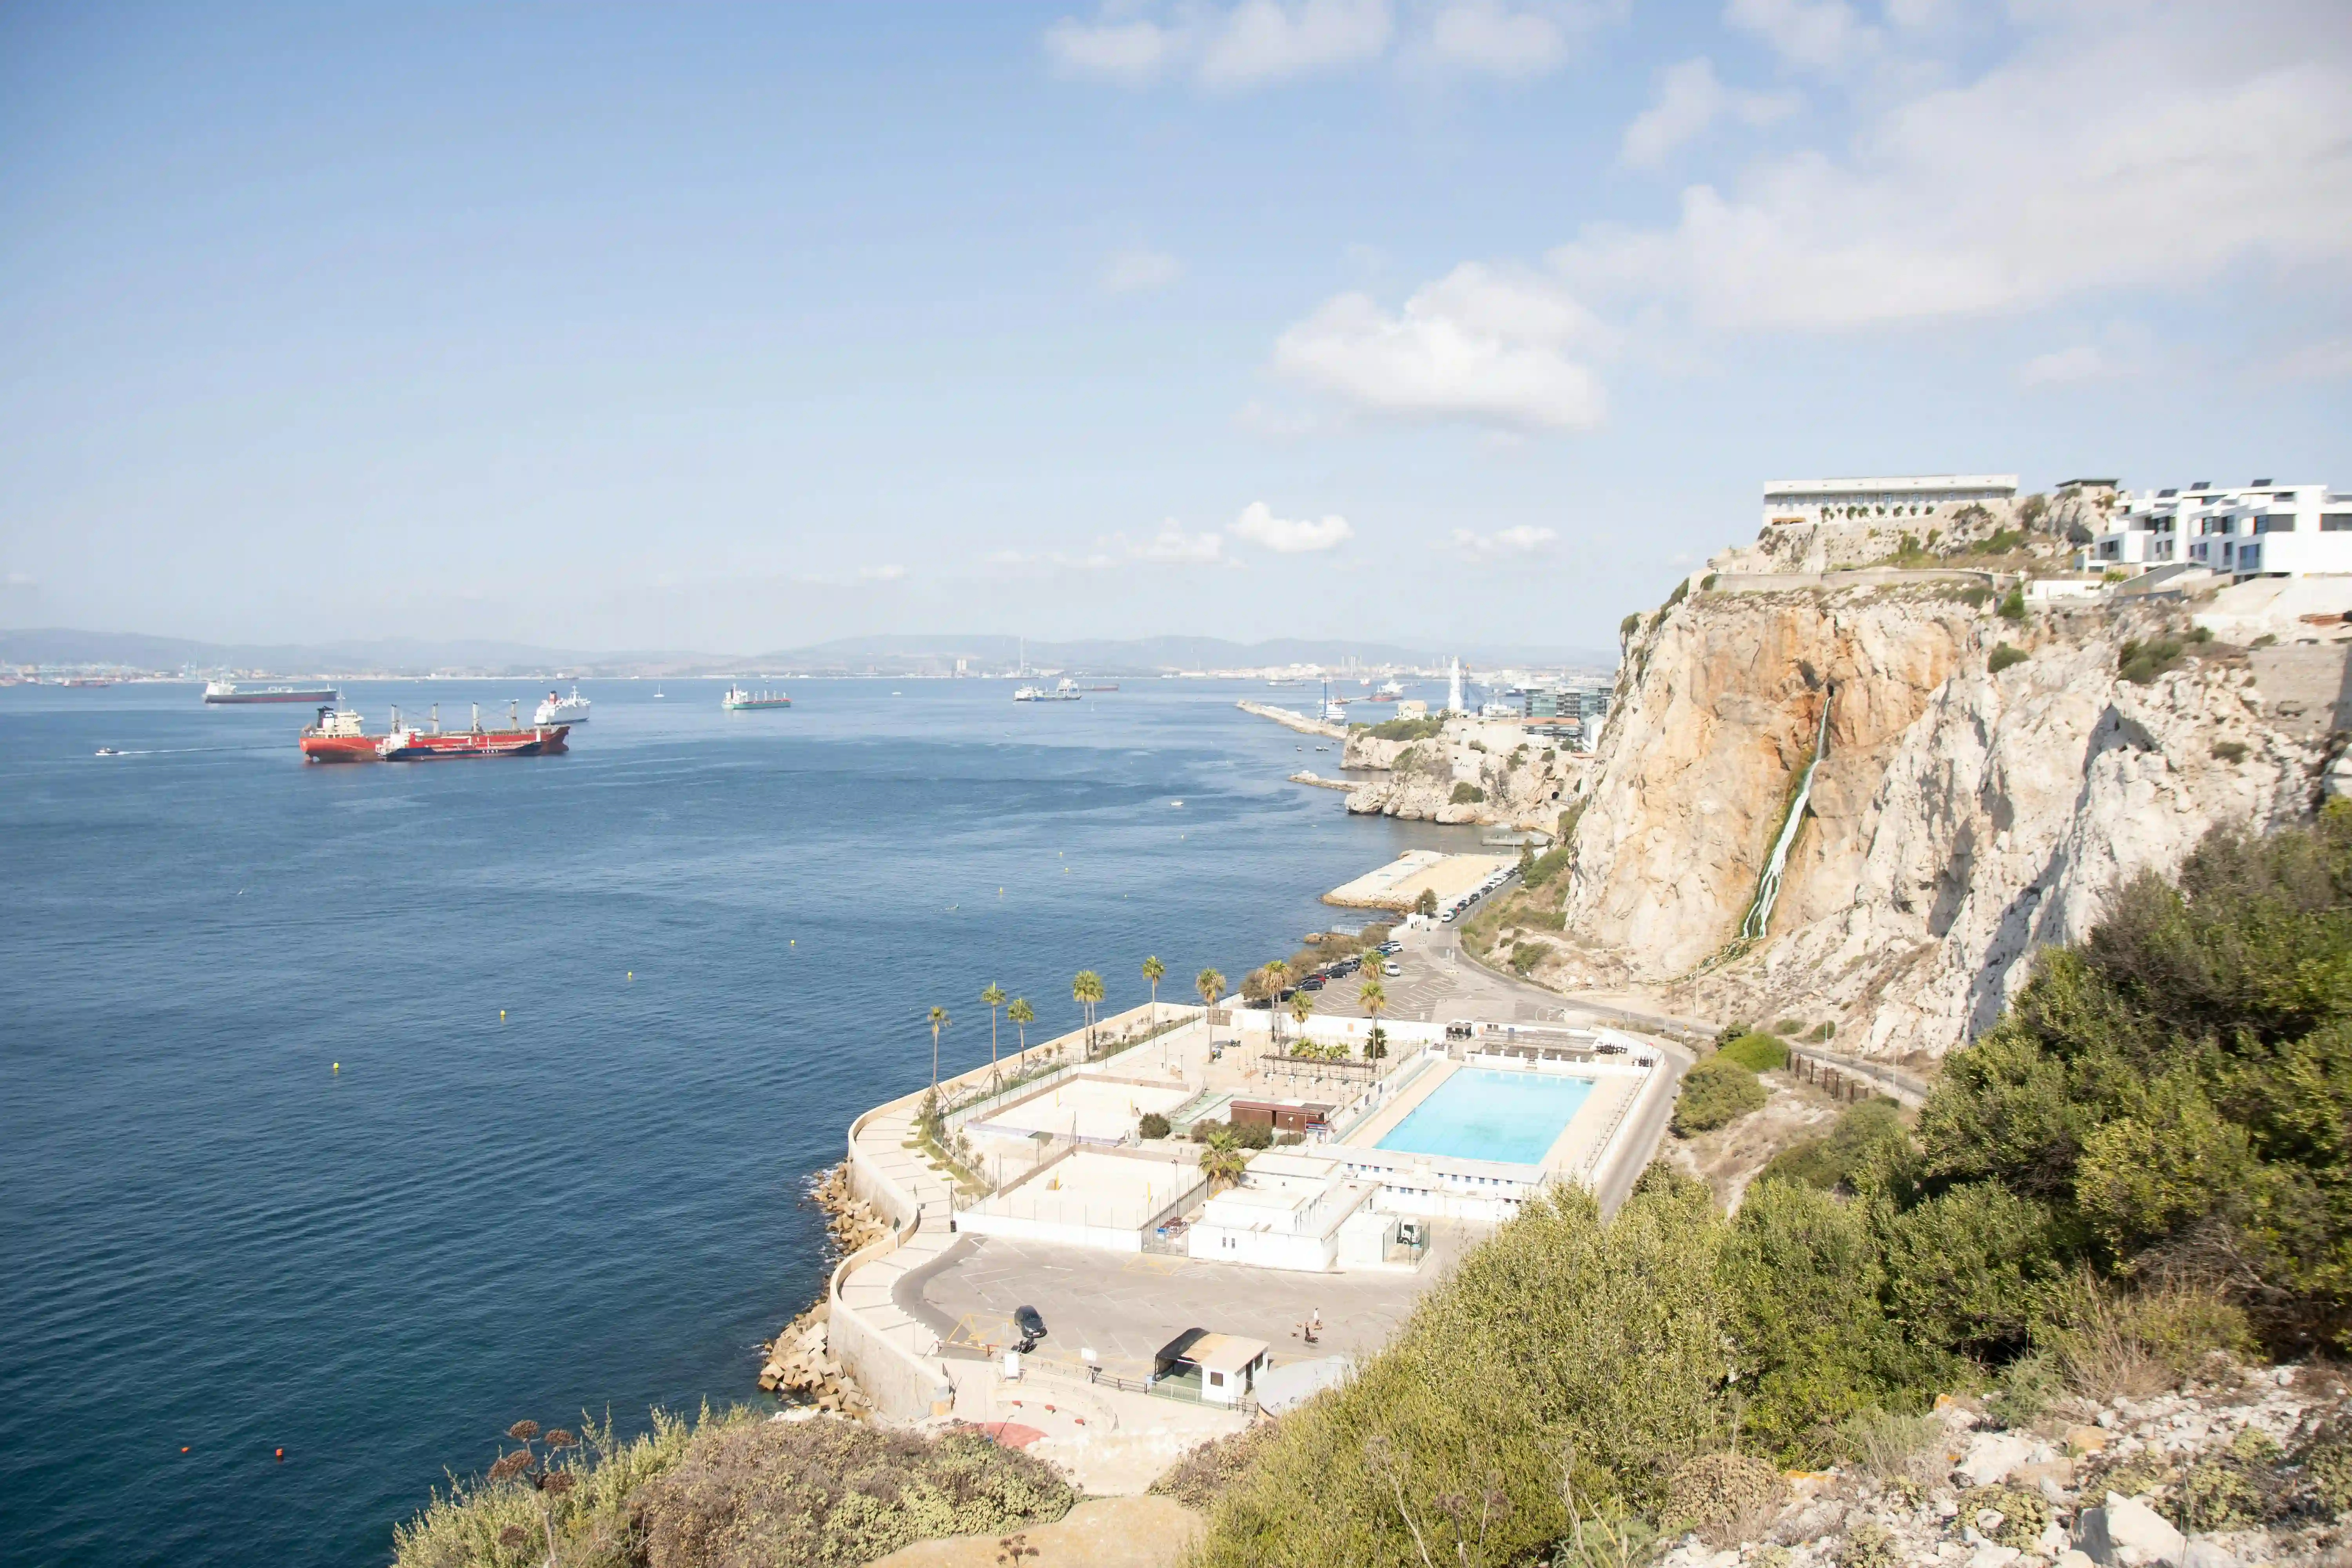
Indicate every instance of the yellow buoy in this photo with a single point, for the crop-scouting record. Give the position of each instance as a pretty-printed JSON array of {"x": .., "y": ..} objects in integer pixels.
[
  {"x": 633, "y": 974},
  {"x": 338, "y": 1066},
  {"x": 502, "y": 1015}
]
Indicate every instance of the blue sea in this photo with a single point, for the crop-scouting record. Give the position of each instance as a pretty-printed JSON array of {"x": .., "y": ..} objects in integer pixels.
[{"x": 358, "y": 1111}]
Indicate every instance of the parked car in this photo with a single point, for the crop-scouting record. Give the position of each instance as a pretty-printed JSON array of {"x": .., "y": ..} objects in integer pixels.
[
  {"x": 1032, "y": 1326},
  {"x": 1312, "y": 983},
  {"x": 1391, "y": 968}
]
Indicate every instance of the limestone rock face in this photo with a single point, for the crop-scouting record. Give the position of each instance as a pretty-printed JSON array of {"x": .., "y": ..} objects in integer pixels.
[
  {"x": 1959, "y": 820},
  {"x": 1525, "y": 783}
]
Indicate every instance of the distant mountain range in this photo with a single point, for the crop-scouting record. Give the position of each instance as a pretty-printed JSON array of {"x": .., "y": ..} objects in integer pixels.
[{"x": 886, "y": 656}]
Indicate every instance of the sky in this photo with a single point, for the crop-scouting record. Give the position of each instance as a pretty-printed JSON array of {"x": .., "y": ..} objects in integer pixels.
[{"x": 735, "y": 328}]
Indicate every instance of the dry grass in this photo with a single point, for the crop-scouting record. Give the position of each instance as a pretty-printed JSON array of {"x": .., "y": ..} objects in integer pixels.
[{"x": 2109, "y": 1343}]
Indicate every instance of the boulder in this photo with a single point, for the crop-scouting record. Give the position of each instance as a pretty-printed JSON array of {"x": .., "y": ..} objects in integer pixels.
[
  {"x": 1992, "y": 1455},
  {"x": 2128, "y": 1533}
]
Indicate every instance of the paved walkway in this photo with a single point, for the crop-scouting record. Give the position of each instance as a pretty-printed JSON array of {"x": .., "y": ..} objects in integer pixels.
[{"x": 870, "y": 1289}]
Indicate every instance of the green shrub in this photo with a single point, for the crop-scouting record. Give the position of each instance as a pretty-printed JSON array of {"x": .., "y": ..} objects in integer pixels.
[
  {"x": 1862, "y": 1143},
  {"x": 828, "y": 1493},
  {"x": 1467, "y": 794},
  {"x": 2141, "y": 662},
  {"x": 2108, "y": 1341},
  {"x": 1788, "y": 1026},
  {"x": 1629, "y": 625},
  {"x": 2029, "y": 1386},
  {"x": 1548, "y": 865},
  {"x": 1560, "y": 1343},
  {"x": 2024, "y": 1514},
  {"x": 2013, "y": 607},
  {"x": 1711, "y": 1490},
  {"x": 1151, "y": 1124},
  {"x": 1964, "y": 1265},
  {"x": 2005, "y": 657},
  {"x": 1408, "y": 729},
  {"x": 1757, "y": 1053},
  {"x": 1715, "y": 1092},
  {"x": 2001, "y": 542},
  {"x": 2230, "y": 750},
  {"x": 1253, "y": 1134}
]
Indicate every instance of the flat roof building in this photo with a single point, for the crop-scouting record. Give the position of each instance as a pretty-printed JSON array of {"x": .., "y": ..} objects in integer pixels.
[
  {"x": 2260, "y": 530},
  {"x": 1789, "y": 502}
]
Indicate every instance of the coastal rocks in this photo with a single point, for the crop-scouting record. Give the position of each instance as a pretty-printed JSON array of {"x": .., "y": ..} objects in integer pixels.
[
  {"x": 849, "y": 1219},
  {"x": 1958, "y": 821},
  {"x": 1472, "y": 771},
  {"x": 800, "y": 1364}
]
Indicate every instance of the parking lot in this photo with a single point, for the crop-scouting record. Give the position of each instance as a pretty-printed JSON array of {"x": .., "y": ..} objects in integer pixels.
[{"x": 1124, "y": 1306}]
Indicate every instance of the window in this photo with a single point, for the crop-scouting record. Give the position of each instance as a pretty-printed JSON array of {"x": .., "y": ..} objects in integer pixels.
[
  {"x": 2274, "y": 524},
  {"x": 2335, "y": 522}
]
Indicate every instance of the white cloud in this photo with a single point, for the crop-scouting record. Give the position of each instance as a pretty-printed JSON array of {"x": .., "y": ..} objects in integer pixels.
[
  {"x": 1254, "y": 42},
  {"x": 1520, "y": 542},
  {"x": 890, "y": 573},
  {"x": 2330, "y": 359},
  {"x": 1288, "y": 536},
  {"x": 1821, "y": 34},
  {"x": 2022, "y": 188},
  {"x": 1264, "y": 40},
  {"x": 1134, "y": 50},
  {"x": 1173, "y": 547},
  {"x": 1133, "y": 271},
  {"x": 2083, "y": 362},
  {"x": 1690, "y": 99},
  {"x": 1479, "y": 344},
  {"x": 1506, "y": 41}
]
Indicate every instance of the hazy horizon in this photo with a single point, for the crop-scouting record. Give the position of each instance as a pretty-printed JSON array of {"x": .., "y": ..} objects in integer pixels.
[{"x": 1428, "y": 322}]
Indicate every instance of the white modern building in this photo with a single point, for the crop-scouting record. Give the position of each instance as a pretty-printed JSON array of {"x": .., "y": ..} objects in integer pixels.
[
  {"x": 1788, "y": 501},
  {"x": 2261, "y": 530}
]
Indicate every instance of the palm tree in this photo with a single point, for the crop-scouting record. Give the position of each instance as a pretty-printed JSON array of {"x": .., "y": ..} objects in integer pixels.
[
  {"x": 1302, "y": 1007},
  {"x": 1086, "y": 989},
  {"x": 1275, "y": 973},
  {"x": 1020, "y": 1014},
  {"x": 1373, "y": 998},
  {"x": 1152, "y": 970},
  {"x": 1211, "y": 985},
  {"x": 992, "y": 997},
  {"x": 1222, "y": 1159},
  {"x": 939, "y": 1022}
]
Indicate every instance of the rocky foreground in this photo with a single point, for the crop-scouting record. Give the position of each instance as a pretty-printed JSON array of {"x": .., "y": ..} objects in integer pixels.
[
  {"x": 2248, "y": 1468},
  {"x": 799, "y": 1362}
]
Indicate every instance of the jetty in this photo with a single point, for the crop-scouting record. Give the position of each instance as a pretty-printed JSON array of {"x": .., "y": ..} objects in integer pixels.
[
  {"x": 1319, "y": 781},
  {"x": 1291, "y": 718}
]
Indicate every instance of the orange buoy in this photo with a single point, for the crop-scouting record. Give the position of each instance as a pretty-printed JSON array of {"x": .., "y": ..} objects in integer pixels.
[{"x": 281, "y": 1456}]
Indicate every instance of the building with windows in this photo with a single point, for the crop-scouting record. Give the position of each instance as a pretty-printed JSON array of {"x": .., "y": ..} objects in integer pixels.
[
  {"x": 1789, "y": 502},
  {"x": 2261, "y": 530}
]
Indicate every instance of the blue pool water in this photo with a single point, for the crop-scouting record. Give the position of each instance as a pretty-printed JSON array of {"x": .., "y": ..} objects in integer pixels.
[{"x": 1482, "y": 1114}]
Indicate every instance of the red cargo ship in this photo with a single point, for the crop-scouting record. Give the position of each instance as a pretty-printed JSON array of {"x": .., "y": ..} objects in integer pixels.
[{"x": 340, "y": 736}]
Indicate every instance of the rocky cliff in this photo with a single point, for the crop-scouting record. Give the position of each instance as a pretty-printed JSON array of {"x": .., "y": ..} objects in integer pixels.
[
  {"x": 1471, "y": 771},
  {"x": 1959, "y": 819}
]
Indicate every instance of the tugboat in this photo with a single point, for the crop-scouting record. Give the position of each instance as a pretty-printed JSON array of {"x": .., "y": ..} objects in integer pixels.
[{"x": 340, "y": 736}]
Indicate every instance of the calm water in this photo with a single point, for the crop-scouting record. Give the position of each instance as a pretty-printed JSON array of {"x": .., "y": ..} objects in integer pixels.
[{"x": 714, "y": 938}]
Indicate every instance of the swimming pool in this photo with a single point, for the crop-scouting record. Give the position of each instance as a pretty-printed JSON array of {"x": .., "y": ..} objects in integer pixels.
[{"x": 1482, "y": 1114}]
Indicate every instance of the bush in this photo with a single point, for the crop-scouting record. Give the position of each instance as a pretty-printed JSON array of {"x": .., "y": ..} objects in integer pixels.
[
  {"x": 2229, "y": 751},
  {"x": 1526, "y": 955},
  {"x": 1964, "y": 1266},
  {"x": 2107, "y": 1342},
  {"x": 2005, "y": 657},
  {"x": 1253, "y": 1134},
  {"x": 1757, "y": 1053},
  {"x": 2002, "y": 542},
  {"x": 835, "y": 1492},
  {"x": 1547, "y": 866},
  {"x": 1407, "y": 729},
  {"x": 2141, "y": 662},
  {"x": 1467, "y": 794},
  {"x": 1716, "y": 1491},
  {"x": 2013, "y": 607},
  {"x": 1865, "y": 1141},
  {"x": 1629, "y": 625},
  {"x": 1559, "y": 1341},
  {"x": 1151, "y": 1124},
  {"x": 1715, "y": 1092}
]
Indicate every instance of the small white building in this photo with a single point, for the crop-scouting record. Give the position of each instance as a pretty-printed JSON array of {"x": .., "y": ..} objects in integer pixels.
[
  {"x": 2261, "y": 530},
  {"x": 1297, "y": 1211},
  {"x": 1790, "y": 501}
]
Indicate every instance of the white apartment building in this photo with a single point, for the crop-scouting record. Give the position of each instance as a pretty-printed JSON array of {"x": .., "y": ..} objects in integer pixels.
[
  {"x": 2261, "y": 530},
  {"x": 1789, "y": 502}
]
